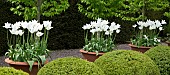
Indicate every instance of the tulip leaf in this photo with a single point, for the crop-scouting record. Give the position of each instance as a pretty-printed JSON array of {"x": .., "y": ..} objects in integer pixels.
[
  {"x": 30, "y": 64},
  {"x": 43, "y": 59}
]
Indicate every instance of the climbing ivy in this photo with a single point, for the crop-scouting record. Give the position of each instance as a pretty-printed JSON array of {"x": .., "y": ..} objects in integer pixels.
[{"x": 29, "y": 8}]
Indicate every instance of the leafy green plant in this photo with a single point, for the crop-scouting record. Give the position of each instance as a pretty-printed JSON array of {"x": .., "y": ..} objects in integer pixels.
[
  {"x": 132, "y": 10},
  {"x": 11, "y": 71},
  {"x": 167, "y": 28},
  {"x": 70, "y": 66},
  {"x": 102, "y": 36},
  {"x": 135, "y": 10},
  {"x": 33, "y": 8},
  {"x": 99, "y": 8},
  {"x": 161, "y": 56},
  {"x": 26, "y": 41},
  {"x": 147, "y": 33},
  {"x": 127, "y": 62}
]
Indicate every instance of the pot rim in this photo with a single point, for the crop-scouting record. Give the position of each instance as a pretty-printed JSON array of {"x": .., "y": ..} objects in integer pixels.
[
  {"x": 137, "y": 46},
  {"x": 92, "y": 53},
  {"x": 7, "y": 60},
  {"x": 167, "y": 41}
]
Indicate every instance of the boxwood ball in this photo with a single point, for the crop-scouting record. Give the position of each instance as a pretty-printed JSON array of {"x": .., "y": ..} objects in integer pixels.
[
  {"x": 127, "y": 62},
  {"x": 161, "y": 56},
  {"x": 70, "y": 66},
  {"x": 11, "y": 71}
]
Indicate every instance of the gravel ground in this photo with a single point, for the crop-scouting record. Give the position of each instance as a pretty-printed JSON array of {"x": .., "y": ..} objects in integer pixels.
[{"x": 64, "y": 53}]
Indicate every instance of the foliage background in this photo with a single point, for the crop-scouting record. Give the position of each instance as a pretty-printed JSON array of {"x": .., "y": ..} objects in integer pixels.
[{"x": 67, "y": 32}]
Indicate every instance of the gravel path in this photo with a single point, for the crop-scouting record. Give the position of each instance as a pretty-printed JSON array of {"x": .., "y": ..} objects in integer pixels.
[{"x": 64, "y": 53}]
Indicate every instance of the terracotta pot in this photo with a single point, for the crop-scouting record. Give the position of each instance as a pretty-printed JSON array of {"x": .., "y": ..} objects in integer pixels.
[
  {"x": 167, "y": 42},
  {"x": 140, "y": 49},
  {"x": 90, "y": 56},
  {"x": 24, "y": 66}
]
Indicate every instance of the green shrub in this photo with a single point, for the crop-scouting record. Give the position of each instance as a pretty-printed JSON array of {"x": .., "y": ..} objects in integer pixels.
[
  {"x": 127, "y": 62},
  {"x": 161, "y": 56},
  {"x": 11, "y": 71},
  {"x": 70, "y": 66}
]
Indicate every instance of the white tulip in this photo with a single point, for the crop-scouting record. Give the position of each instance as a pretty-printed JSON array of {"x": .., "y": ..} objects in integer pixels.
[
  {"x": 104, "y": 22},
  {"x": 111, "y": 32},
  {"x": 20, "y": 32},
  {"x": 98, "y": 30},
  {"x": 158, "y": 40},
  {"x": 134, "y": 26},
  {"x": 113, "y": 24},
  {"x": 157, "y": 23},
  {"x": 140, "y": 23},
  {"x": 105, "y": 28},
  {"x": 160, "y": 28},
  {"x": 140, "y": 27},
  {"x": 149, "y": 23},
  {"x": 114, "y": 27},
  {"x": 152, "y": 27},
  {"x": 24, "y": 24},
  {"x": 93, "y": 24},
  {"x": 118, "y": 30},
  {"x": 33, "y": 22},
  {"x": 31, "y": 31},
  {"x": 99, "y": 20},
  {"x": 16, "y": 26},
  {"x": 145, "y": 24},
  {"x": 36, "y": 28},
  {"x": 163, "y": 22},
  {"x": 93, "y": 31},
  {"x": 7, "y": 25},
  {"x": 40, "y": 27},
  {"x": 145, "y": 37},
  {"x": 84, "y": 27},
  {"x": 39, "y": 34},
  {"x": 107, "y": 33},
  {"x": 47, "y": 23},
  {"x": 87, "y": 26},
  {"x": 14, "y": 32},
  {"x": 49, "y": 27}
]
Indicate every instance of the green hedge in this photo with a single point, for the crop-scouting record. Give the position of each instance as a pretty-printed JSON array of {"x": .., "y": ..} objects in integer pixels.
[
  {"x": 5, "y": 16},
  {"x": 127, "y": 62},
  {"x": 161, "y": 56},
  {"x": 70, "y": 66},
  {"x": 67, "y": 32},
  {"x": 11, "y": 71}
]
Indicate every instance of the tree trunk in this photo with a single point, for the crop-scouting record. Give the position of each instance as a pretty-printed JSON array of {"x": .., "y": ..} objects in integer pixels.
[{"x": 39, "y": 10}]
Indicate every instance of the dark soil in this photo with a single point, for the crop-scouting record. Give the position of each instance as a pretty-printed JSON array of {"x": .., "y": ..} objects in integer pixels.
[{"x": 64, "y": 53}]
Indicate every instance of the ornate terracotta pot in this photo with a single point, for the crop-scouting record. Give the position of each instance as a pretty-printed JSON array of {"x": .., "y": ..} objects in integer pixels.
[
  {"x": 24, "y": 66},
  {"x": 140, "y": 49},
  {"x": 90, "y": 56}
]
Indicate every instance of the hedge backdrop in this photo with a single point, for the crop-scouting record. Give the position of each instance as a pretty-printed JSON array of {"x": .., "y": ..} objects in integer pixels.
[{"x": 67, "y": 32}]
